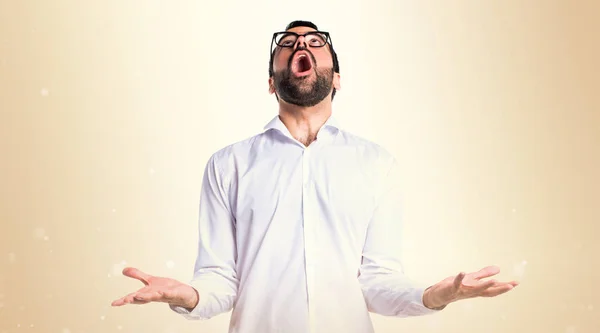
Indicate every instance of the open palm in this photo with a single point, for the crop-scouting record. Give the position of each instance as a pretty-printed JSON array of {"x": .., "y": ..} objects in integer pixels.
[
  {"x": 471, "y": 285},
  {"x": 158, "y": 289},
  {"x": 466, "y": 285}
]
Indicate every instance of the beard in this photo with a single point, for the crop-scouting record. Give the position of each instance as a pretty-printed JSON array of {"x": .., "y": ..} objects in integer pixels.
[{"x": 301, "y": 91}]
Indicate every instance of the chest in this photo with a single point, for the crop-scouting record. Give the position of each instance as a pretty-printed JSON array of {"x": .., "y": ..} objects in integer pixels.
[{"x": 336, "y": 187}]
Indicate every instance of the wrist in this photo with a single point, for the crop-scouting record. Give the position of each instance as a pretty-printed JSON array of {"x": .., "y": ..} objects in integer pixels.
[
  {"x": 191, "y": 302},
  {"x": 431, "y": 301},
  {"x": 195, "y": 299}
]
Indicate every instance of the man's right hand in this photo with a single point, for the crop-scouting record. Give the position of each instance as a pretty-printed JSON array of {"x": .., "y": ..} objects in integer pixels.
[{"x": 159, "y": 289}]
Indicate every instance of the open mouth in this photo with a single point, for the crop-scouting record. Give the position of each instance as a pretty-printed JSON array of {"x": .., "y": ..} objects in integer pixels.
[{"x": 302, "y": 65}]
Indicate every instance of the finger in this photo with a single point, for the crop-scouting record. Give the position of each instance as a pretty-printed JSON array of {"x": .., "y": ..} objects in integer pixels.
[
  {"x": 137, "y": 274},
  {"x": 473, "y": 289},
  {"x": 129, "y": 299},
  {"x": 152, "y": 296},
  {"x": 118, "y": 302},
  {"x": 485, "y": 272},
  {"x": 483, "y": 285},
  {"x": 138, "y": 302},
  {"x": 494, "y": 283},
  {"x": 498, "y": 290},
  {"x": 137, "y": 299},
  {"x": 123, "y": 300}
]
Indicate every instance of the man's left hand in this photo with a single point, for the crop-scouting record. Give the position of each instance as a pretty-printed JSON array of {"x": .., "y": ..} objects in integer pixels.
[{"x": 463, "y": 285}]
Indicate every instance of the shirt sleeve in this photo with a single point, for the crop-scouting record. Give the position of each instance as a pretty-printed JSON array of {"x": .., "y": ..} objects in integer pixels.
[
  {"x": 386, "y": 289},
  {"x": 214, "y": 276}
]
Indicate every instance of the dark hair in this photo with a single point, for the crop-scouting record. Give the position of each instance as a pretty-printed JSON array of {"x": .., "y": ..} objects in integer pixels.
[{"x": 300, "y": 23}]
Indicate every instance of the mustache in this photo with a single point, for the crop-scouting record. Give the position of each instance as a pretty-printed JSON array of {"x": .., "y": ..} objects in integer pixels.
[{"x": 302, "y": 48}]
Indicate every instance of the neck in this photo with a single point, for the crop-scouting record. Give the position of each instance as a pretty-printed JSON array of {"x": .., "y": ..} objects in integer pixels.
[{"x": 305, "y": 122}]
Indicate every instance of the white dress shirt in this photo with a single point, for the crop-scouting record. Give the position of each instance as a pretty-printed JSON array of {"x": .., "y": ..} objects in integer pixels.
[{"x": 297, "y": 239}]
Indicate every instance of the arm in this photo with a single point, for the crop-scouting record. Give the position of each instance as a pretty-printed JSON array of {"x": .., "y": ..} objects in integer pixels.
[
  {"x": 386, "y": 289},
  {"x": 215, "y": 278}
]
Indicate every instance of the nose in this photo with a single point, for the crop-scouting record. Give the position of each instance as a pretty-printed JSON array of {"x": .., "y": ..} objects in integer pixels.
[{"x": 300, "y": 41}]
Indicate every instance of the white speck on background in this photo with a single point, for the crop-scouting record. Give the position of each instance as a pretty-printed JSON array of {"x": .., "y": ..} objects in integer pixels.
[
  {"x": 1, "y": 305},
  {"x": 514, "y": 210},
  {"x": 170, "y": 264},
  {"x": 519, "y": 269},
  {"x": 590, "y": 307},
  {"x": 570, "y": 329},
  {"x": 66, "y": 330},
  {"x": 119, "y": 327},
  {"x": 46, "y": 238},
  {"x": 12, "y": 257},
  {"x": 114, "y": 210},
  {"x": 102, "y": 317},
  {"x": 39, "y": 233},
  {"x": 44, "y": 92},
  {"x": 151, "y": 171},
  {"x": 117, "y": 269}
]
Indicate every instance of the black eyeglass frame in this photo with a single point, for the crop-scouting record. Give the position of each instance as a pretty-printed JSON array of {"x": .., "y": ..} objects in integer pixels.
[{"x": 324, "y": 33}]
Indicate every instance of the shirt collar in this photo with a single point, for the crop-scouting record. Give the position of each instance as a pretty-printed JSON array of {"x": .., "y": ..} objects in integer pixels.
[{"x": 331, "y": 127}]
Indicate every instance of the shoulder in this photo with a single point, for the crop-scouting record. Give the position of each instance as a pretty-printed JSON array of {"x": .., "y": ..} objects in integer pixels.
[
  {"x": 368, "y": 149},
  {"x": 227, "y": 157}
]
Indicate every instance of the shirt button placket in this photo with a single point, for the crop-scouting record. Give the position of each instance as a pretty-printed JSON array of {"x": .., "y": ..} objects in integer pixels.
[{"x": 309, "y": 235}]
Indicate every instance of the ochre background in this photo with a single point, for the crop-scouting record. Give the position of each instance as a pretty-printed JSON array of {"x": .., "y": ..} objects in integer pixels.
[{"x": 110, "y": 109}]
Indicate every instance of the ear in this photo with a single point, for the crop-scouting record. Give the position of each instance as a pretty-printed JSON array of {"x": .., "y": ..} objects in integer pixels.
[
  {"x": 336, "y": 81},
  {"x": 271, "y": 86}
]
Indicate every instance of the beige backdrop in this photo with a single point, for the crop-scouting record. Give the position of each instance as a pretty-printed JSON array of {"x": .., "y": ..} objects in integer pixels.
[{"x": 110, "y": 109}]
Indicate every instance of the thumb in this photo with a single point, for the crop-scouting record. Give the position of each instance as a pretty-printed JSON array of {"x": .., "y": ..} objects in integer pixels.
[
  {"x": 458, "y": 280},
  {"x": 137, "y": 274}
]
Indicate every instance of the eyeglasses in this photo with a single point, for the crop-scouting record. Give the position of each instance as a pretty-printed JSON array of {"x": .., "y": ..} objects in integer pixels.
[{"x": 288, "y": 39}]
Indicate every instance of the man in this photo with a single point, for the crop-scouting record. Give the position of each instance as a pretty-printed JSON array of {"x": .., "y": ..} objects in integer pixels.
[{"x": 299, "y": 226}]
